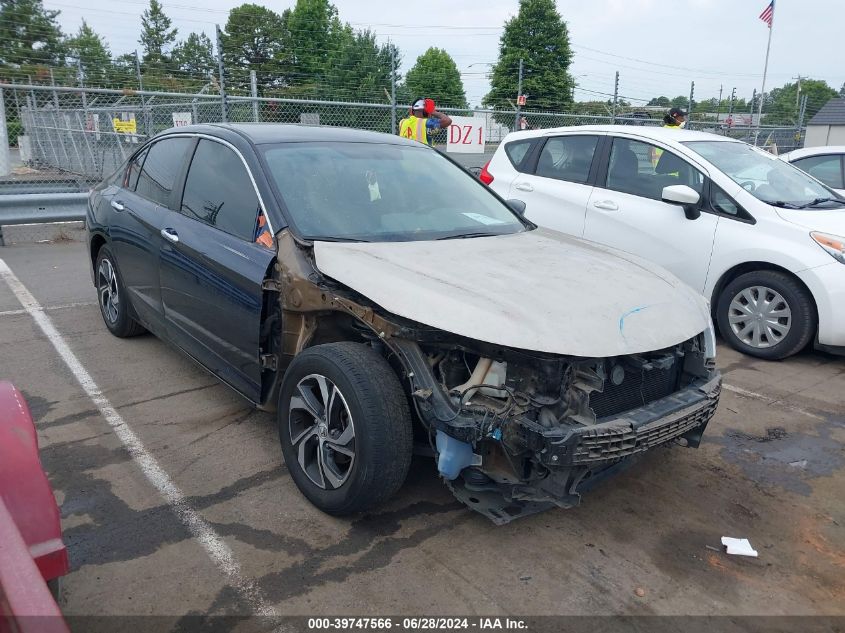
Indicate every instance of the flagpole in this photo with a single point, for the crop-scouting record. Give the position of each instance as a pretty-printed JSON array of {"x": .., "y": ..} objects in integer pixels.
[{"x": 765, "y": 70}]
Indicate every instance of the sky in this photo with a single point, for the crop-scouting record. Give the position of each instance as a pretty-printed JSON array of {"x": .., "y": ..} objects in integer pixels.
[{"x": 658, "y": 46}]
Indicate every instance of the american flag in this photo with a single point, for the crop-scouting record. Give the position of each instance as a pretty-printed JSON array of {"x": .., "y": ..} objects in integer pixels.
[{"x": 768, "y": 13}]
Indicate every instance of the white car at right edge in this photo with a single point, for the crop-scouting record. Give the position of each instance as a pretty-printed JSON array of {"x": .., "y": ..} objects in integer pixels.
[
  {"x": 826, "y": 163},
  {"x": 759, "y": 238}
]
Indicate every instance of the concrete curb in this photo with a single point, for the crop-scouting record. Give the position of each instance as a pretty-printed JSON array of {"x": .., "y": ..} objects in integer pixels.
[{"x": 42, "y": 233}]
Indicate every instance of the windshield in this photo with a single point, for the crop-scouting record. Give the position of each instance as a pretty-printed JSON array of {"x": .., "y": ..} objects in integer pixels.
[
  {"x": 382, "y": 192},
  {"x": 765, "y": 176}
]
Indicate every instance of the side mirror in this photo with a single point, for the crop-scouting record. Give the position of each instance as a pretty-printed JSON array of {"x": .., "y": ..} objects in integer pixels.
[
  {"x": 684, "y": 196},
  {"x": 517, "y": 206}
]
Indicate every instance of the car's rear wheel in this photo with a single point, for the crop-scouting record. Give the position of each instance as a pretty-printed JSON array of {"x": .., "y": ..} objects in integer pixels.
[
  {"x": 345, "y": 427},
  {"x": 767, "y": 314},
  {"x": 112, "y": 297}
]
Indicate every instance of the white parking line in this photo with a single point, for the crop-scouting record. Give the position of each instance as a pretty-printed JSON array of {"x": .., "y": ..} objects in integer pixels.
[
  {"x": 769, "y": 400},
  {"x": 212, "y": 543},
  {"x": 61, "y": 306}
]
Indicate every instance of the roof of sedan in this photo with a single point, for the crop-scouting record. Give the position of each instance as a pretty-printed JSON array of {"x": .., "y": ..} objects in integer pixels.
[
  {"x": 677, "y": 135},
  {"x": 261, "y": 133}
]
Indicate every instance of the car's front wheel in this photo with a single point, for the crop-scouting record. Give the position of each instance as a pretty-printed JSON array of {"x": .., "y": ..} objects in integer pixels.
[
  {"x": 345, "y": 427},
  {"x": 112, "y": 298},
  {"x": 766, "y": 314}
]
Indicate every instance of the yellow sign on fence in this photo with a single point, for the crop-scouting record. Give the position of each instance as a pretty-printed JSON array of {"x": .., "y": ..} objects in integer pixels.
[{"x": 125, "y": 127}]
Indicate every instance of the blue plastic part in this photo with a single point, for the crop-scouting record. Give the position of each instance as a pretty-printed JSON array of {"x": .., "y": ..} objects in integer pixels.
[
  {"x": 455, "y": 455},
  {"x": 497, "y": 434}
]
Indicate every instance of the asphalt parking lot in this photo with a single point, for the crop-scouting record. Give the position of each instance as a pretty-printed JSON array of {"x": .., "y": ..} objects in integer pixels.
[{"x": 771, "y": 469}]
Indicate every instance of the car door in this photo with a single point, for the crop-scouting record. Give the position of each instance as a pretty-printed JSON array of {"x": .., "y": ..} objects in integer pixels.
[
  {"x": 212, "y": 269},
  {"x": 138, "y": 207},
  {"x": 557, "y": 191},
  {"x": 625, "y": 210}
]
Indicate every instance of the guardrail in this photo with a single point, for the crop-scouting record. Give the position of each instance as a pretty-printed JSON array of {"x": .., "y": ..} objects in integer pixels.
[{"x": 35, "y": 208}]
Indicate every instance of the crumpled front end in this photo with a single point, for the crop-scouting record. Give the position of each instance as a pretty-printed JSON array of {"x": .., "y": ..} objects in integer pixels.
[{"x": 517, "y": 432}]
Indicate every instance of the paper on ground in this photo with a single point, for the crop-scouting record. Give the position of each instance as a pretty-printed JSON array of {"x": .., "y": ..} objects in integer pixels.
[{"x": 739, "y": 546}]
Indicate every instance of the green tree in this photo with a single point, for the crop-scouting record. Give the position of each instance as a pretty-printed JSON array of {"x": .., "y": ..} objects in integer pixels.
[
  {"x": 359, "y": 68},
  {"x": 782, "y": 104},
  {"x": 538, "y": 36},
  {"x": 256, "y": 39},
  {"x": 195, "y": 56},
  {"x": 315, "y": 34},
  {"x": 156, "y": 34},
  {"x": 842, "y": 90},
  {"x": 93, "y": 53},
  {"x": 29, "y": 34},
  {"x": 680, "y": 101},
  {"x": 663, "y": 102},
  {"x": 435, "y": 75}
]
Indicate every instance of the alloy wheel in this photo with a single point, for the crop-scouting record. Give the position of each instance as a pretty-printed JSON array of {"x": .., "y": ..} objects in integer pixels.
[
  {"x": 107, "y": 286},
  {"x": 322, "y": 432}
]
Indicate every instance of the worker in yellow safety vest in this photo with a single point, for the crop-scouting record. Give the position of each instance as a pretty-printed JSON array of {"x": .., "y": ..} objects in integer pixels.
[
  {"x": 423, "y": 120},
  {"x": 676, "y": 119}
]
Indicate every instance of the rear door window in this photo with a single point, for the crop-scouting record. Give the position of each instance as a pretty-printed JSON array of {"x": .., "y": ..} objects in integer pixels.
[
  {"x": 518, "y": 151},
  {"x": 219, "y": 191},
  {"x": 567, "y": 158},
  {"x": 160, "y": 169},
  {"x": 828, "y": 169}
]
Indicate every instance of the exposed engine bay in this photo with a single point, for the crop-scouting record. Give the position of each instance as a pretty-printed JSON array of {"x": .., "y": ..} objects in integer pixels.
[{"x": 517, "y": 432}]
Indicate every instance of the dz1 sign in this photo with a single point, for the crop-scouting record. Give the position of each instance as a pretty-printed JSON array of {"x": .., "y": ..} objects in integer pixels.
[{"x": 465, "y": 135}]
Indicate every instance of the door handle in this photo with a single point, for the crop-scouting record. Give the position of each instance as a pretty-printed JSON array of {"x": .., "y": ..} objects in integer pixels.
[
  {"x": 606, "y": 205},
  {"x": 170, "y": 235},
  {"x": 117, "y": 205},
  {"x": 524, "y": 186}
]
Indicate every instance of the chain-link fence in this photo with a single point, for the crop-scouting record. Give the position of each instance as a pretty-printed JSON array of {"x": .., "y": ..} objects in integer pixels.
[{"x": 69, "y": 138}]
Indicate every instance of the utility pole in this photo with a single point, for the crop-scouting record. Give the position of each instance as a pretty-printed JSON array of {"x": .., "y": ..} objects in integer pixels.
[
  {"x": 392, "y": 88},
  {"x": 518, "y": 95},
  {"x": 731, "y": 106},
  {"x": 801, "y": 112},
  {"x": 798, "y": 94},
  {"x": 691, "y": 94},
  {"x": 223, "y": 105},
  {"x": 615, "y": 97},
  {"x": 719, "y": 107}
]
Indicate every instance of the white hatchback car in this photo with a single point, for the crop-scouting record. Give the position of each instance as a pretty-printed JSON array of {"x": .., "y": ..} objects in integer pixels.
[
  {"x": 827, "y": 163},
  {"x": 759, "y": 238}
]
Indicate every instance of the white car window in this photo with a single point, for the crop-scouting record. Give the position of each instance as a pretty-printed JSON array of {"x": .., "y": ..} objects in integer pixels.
[
  {"x": 828, "y": 169},
  {"x": 644, "y": 170},
  {"x": 567, "y": 158}
]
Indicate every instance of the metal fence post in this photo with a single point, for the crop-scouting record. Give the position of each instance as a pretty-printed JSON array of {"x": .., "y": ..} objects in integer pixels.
[
  {"x": 147, "y": 119},
  {"x": 5, "y": 160},
  {"x": 55, "y": 94},
  {"x": 392, "y": 88},
  {"x": 224, "y": 110},
  {"x": 253, "y": 89}
]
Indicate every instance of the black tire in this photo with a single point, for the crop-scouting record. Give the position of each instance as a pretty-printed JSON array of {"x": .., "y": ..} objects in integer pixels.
[
  {"x": 116, "y": 315},
  {"x": 803, "y": 321},
  {"x": 382, "y": 435}
]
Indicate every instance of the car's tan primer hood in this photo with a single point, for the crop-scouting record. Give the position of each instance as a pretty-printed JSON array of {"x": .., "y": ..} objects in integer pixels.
[{"x": 538, "y": 290}]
